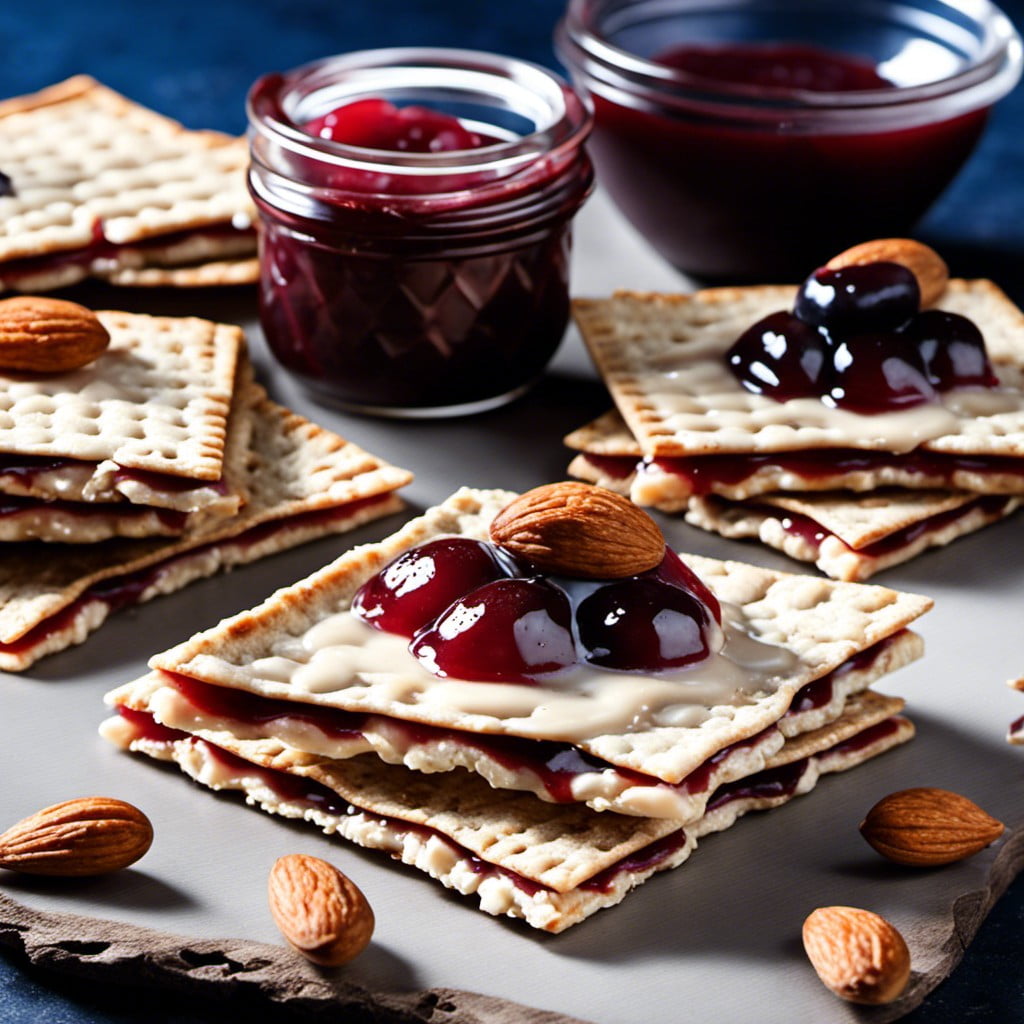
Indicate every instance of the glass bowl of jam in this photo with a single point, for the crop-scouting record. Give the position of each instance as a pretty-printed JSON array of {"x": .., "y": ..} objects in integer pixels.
[
  {"x": 415, "y": 211},
  {"x": 749, "y": 139}
]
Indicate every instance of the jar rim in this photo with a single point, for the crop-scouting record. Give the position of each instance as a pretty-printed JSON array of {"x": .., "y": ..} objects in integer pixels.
[
  {"x": 561, "y": 117},
  {"x": 593, "y": 59}
]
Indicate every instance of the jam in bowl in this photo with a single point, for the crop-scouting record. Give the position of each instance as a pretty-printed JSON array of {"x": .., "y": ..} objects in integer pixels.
[
  {"x": 416, "y": 209},
  {"x": 749, "y": 140}
]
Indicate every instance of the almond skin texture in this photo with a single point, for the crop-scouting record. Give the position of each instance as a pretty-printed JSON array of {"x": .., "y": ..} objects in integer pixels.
[
  {"x": 39, "y": 335},
  {"x": 576, "y": 529},
  {"x": 857, "y": 954},
  {"x": 926, "y": 264},
  {"x": 926, "y": 827},
  {"x": 92, "y": 835},
  {"x": 320, "y": 911}
]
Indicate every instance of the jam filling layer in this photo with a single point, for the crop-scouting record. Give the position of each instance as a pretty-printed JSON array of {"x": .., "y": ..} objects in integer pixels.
[
  {"x": 772, "y": 784},
  {"x": 126, "y": 589},
  {"x": 101, "y": 248},
  {"x": 803, "y": 526},
  {"x": 555, "y": 765},
  {"x": 11, "y": 507},
  {"x": 703, "y": 473},
  {"x": 28, "y": 468}
]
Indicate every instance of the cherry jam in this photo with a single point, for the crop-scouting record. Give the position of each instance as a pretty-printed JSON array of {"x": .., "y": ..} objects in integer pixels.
[
  {"x": 414, "y": 262},
  {"x": 856, "y": 340},
  {"x": 759, "y": 204},
  {"x": 748, "y": 141},
  {"x": 505, "y": 623}
]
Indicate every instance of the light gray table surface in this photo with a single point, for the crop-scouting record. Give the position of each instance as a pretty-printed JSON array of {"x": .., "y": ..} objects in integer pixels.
[{"x": 718, "y": 937}]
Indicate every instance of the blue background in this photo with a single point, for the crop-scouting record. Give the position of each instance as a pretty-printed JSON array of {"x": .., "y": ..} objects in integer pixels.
[{"x": 195, "y": 60}]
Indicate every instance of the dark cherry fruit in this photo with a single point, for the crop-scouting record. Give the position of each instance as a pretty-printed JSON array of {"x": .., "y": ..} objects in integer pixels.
[
  {"x": 953, "y": 350},
  {"x": 420, "y": 584},
  {"x": 780, "y": 356},
  {"x": 859, "y": 299},
  {"x": 873, "y": 372},
  {"x": 643, "y": 624},
  {"x": 508, "y": 631},
  {"x": 674, "y": 571}
]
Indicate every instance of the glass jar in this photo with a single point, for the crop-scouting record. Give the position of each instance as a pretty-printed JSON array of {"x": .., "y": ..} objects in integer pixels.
[
  {"x": 418, "y": 284},
  {"x": 755, "y": 139}
]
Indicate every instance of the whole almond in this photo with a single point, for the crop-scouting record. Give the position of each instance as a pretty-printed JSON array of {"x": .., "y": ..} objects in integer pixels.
[
  {"x": 576, "y": 529},
  {"x": 91, "y": 835},
  {"x": 925, "y": 827},
  {"x": 319, "y": 910},
  {"x": 857, "y": 954},
  {"x": 39, "y": 335},
  {"x": 926, "y": 264}
]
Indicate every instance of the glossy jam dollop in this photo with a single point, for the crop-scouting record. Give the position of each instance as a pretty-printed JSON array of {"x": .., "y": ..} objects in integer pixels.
[
  {"x": 504, "y": 622},
  {"x": 421, "y": 583},
  {"x": 378, "y": 124},
  {"x": 856, "y": 339},
  {"x": 413, "y": 263}
]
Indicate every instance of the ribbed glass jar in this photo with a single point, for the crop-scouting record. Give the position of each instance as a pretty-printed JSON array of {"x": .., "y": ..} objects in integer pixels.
[{"x": 418, "y": 284}]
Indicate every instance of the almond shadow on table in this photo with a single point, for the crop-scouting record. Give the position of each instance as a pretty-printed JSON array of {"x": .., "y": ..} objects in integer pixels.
[{"x": 132, "y": 889}]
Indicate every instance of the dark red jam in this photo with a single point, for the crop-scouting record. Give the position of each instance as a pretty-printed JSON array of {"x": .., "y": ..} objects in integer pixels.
[
  {"x": 718, "y": 176},
  {"x": 473, "y": 611},
  {"x": 553, "y": 764},
  {"x": 12, "y": 507},
  {"x": 378, "y": 124},
  {"x": 709, "y": 474},
  {"x": 307, "y": 793},
  {"x": 777, "y": 784},
  {"x": 413, "y": 264},
  {"x": 819, "y": 693},
  {"x": 117, "y": 592},
  {"x": 29, "y": 468},
  {"x": 775, "y": 66},
  {"x": 102, "y": 249},
  {"x": 992, "y": 506},
  {"x": 856, "y": 339}
]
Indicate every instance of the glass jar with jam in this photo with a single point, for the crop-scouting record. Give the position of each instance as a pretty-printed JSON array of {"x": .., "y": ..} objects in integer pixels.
[
  {"x": 747, "y": 140},
  {"x": 416, "y": 209}
]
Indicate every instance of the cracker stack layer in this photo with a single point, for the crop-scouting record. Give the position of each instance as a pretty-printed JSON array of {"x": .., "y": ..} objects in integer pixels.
[
  {"x": 823, "y": 484},
  {"x": 152, "y": 434},
  {"x": 314, "y": 714},
  {"x": 92, "y": 184},
  {"x": 848, "y": 535},
  {"x": 159, "y": 463}
]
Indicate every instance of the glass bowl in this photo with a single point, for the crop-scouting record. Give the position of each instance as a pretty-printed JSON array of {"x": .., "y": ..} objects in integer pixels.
[{"x": 735, "y": 173}]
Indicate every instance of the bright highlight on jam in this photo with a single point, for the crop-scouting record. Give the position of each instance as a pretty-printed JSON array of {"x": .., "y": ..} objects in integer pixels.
[
  {"x": 474, "y": 611},
  {"x": 857, "y": 339}
]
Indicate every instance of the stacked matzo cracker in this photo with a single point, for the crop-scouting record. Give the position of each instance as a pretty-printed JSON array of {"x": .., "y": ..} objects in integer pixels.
[
  {"x": 161, "y": 461},
  {"x": 94, "y": 185},
  {"x": 547, "y": 802},
  {"x": 156, "y": 464},
  {"x": 852, "y": 493}
]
